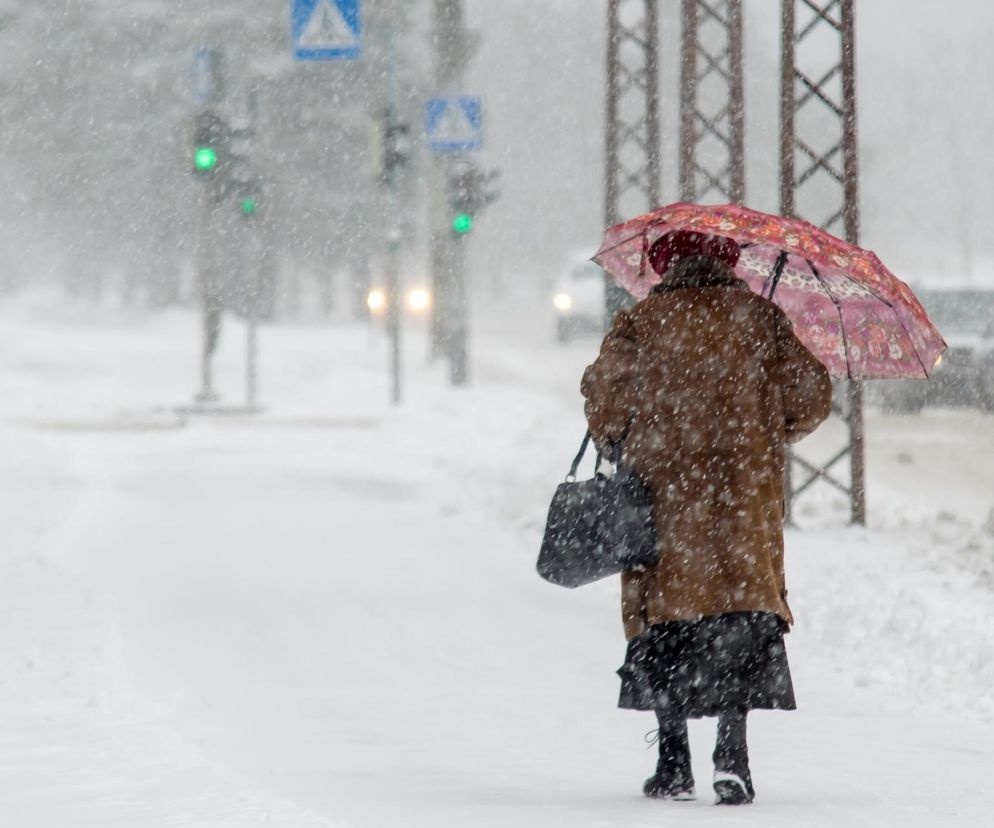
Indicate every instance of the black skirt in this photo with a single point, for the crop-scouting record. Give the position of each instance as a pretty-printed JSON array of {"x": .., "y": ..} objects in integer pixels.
[{"x": 708, "y": 666}]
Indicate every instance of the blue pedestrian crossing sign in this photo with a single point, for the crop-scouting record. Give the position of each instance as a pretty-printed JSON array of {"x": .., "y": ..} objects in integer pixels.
[
  {"x": 326, "y": 29},
  {"x": 454, "y": 124}
]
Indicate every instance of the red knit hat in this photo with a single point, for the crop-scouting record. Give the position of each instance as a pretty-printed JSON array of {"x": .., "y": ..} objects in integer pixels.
[{"x": 679, "y": 244}]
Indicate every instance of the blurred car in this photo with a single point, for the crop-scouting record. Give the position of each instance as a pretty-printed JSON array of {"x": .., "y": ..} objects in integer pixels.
[
  {"x": 965, "y": 373},
  {"x": 416, "y": 300},
  {"x": 579, "y": 300}
]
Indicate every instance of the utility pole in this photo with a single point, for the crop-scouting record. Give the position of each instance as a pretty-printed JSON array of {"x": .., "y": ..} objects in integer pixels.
[
  {"x": 808, "y": 81},
  {"x": 712, "y": 121},
  {"x": 632, "y": 165}
]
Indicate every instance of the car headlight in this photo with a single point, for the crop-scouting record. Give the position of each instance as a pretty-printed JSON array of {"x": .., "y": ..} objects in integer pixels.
[
  {"x": 563, "y": 301},
  {"x": 376, "y": 300},
  {"x": 419, "y": 300}
]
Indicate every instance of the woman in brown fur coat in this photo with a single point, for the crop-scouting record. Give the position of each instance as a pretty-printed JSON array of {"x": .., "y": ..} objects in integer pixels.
[{"x": 706, "y": 384}]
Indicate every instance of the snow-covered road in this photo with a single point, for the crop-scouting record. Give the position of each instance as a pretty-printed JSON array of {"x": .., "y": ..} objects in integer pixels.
[{"x": 327, "y": 614}]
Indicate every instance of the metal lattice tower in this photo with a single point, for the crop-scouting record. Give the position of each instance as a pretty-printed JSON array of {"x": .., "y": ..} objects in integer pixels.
[
  {"x": 712, "y": 134},
  {"x": 632, "y": 183},
  {"x": 818, "y": 172}
]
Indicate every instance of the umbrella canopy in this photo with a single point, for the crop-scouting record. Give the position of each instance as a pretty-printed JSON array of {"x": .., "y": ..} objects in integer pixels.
[{"x": 849, "y": 310}]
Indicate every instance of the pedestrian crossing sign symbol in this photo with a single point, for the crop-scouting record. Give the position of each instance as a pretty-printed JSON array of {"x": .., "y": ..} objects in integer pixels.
[
  {"x": 454, "y": 124},
  {"x": 326, "y": 29}
]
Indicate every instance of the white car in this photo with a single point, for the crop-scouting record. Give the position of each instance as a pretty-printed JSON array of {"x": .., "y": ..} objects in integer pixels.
[
  {"x": 965, "y": 373},
  {"x": 415, "y": 300},
  {"x": 579, "y": 300}
]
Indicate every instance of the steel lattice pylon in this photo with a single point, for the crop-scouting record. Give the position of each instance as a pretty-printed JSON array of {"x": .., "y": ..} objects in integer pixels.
[
  {"x": 818, "y": 167},
  {"x": 712, "y": 134},
  {"x": 632, "y": 139}
]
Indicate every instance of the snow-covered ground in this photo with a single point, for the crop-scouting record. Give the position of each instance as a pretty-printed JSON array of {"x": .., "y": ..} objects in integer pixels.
[{"x": 327, "y": 614}]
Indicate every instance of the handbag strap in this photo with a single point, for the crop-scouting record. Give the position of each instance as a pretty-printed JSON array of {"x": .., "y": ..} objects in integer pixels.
[{"x": 579, "y": 456}]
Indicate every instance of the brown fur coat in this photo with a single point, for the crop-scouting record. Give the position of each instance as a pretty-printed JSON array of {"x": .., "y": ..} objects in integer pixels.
[{"x": 707, "y": 384}]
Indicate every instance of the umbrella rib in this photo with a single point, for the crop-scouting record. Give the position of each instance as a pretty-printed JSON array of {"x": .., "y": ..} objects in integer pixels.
[
  {"x": 838, "y": 308},
  {"x": 617, "y": 244},
  {"x": 900, "y": 321},
  {"x": 620, "y": 242},
  {"x": 913, "y": 348},
  {"x": 868, "y": 289},
  {"x": 776, "y": 273}
]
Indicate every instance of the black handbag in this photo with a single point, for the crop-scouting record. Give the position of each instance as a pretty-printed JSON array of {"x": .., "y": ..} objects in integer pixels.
[{"x": 598, "y": 527}]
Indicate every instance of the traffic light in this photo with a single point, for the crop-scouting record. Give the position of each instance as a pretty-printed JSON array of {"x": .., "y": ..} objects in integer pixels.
[
  {"x": 469, "y": 191},
  {"x": 211, "y": 142},
  {"x": 396, "y": 139},
  {"x": 204, "y": 159},
  {"x": 247, "y": 191}
]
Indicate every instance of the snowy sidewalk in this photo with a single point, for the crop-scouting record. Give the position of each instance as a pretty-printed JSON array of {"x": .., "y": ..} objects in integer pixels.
[{"x": 328, "y": 615}]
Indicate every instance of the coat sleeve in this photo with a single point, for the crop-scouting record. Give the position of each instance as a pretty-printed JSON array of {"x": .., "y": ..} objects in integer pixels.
[
  {"x": 805, "y": 382},
  {"x": 608, "y": 384}
]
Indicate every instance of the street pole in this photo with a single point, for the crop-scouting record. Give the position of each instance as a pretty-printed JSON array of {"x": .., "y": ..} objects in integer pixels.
[
  {"x": 251, "y": 268},
  {"x": 252, "y": 349},
  {"x": 206, "y": 393},
  {"x": 450, "y": 49},
  {"x": 251, "y": 262},
  {"x": 392, "y": 287},
  {"x": 458, "y": 323},
  {"x": 211, "y": 278},
  {"x": 393, "y": 234},
  {"x": 208, "y": 258}
]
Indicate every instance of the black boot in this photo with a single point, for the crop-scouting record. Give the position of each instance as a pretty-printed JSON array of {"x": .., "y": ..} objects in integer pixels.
[
  {"x": 673, "y": 778},
  {"x": 732, "y": 780}
]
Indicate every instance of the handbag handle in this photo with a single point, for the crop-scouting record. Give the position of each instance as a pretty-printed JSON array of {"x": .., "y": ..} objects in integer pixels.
[
  {"x": 616, "y": 449},
  {"x": 571, "y": 477}
]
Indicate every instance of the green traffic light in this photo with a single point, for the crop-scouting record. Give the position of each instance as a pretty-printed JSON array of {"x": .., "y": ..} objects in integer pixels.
[
  {"x": 204, "y": 158},
  {"x": 462, "y": 223},
  {"x": 249, "y": 206}
]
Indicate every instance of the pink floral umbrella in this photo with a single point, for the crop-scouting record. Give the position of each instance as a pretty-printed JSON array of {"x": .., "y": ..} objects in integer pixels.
[{"x": 850, "y": 311}]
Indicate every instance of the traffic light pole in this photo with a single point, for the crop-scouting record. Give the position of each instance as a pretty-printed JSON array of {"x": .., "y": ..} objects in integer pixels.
[
  {"x": 251, "y": 268},
  {"x": 226, "y": 249},
  {"x": 252, "y": 257},
  {"x": 251, "y": 361},
  {"x": 211, "y": 300},
  {"x": 208, "y": 337},
  {"x": 450, "y": 56},
  {"x": 211, "y": 145},
  {"x": 458, "y": 319}
]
